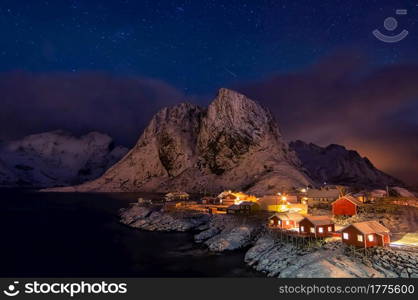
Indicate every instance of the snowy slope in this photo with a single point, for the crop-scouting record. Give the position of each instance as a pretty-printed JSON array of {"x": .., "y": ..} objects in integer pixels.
[
  {"x": 56, "y": 158},
  {"x": 337, "y": 165}
]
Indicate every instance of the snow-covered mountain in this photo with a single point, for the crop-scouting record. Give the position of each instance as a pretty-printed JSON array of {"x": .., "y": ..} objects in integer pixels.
[
  {"x": 234, "y": 143},
  {"x": 337, "y": 165},
  {"x": 57, "y": 158}
]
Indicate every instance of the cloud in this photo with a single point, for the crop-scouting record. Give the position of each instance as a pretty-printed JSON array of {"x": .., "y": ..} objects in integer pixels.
[
  {"x": 343, "y": 99},
  {"x": 80, "y": 102}
]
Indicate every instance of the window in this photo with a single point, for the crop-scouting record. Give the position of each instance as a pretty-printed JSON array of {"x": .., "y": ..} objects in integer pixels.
[
  {"x": 345, "y": 236},
  {"x": 280, "y": 222},
  {"x": 359, "y": 237},
  {"x": 370, "y": 237},
  {"x": 271, "y": 221},
  {"x": 287, "y": 222},
  {"x": 312, "y": 230},
  {"x": 320, "y": 230},
  {"x": 302, "y": 228},
  {"x": 329, "y": 228}
]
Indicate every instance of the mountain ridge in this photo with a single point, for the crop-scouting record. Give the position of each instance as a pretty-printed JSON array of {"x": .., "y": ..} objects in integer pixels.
[
  {"x": 335, "y": 164},
  {"x": 56, "y": 158},
  {"x": 233, "y": 143}
]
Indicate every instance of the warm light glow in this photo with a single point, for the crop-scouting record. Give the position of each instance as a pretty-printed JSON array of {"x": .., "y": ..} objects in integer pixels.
[
  {"x": 370, "y": 237},
  {"x": 302, "y": 228},
  {"x": 359, "y": 237},
  {"x": 303, "y": 190},
  {"x": 237, "y": 201},
  {"x": 345, "y": 235},
  {"x": 329, "y": 228},
  {"x": 271, "y": 221},
  {"x": 287, "y": 222},
  {"x": 239, "y": 196},
  {"x": 284, "y": 198},
  {"x": 410, "y": 239},
  {"x": 320, "y": 230},
  {"x": 312, "y": 230}
]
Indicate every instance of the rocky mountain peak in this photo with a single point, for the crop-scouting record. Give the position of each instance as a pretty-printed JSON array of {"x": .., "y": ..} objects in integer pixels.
[
  {"x": 235, "y": 143},
  {"x": 233, "y": 115},
  {"x": 231, "y": 110},
  {"x": 182, "y": 118}
]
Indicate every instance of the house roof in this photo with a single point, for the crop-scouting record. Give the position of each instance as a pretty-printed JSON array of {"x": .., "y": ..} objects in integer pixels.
[
  {"x": 234, "y": 207},
  {"x": 172, "y": 194},
  {"x": 244, "y": 203},
  {"x": 232, "y": 196},
  {"x": 378, "y": 193},
  {"x": 369, "y": 227},
  {"x": 319, "y": 220},
  {"x": 359, "y": 194},
  {"x": 349, "y": 198},
  {"x": 288, "y": 216},
  {"x": 322, "y": 193},
  {"x": 248, "y": 203}
]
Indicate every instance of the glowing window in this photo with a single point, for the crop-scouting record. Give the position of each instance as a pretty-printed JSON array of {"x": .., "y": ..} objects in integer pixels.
[
  {"x": 287, "y": 222},
  {"x": 359, "y": 237},
  {"x": 329, "y": 228},
  {"x": 312, "y": 230},
  {"x": 302, "y": 228},
  {"x": 345, "y": 235},
  {"x": 320, "y": 229},
  {"x": 280, "y": 222},
  {"x": 271, "y": 221},
  {"x": 370, "y": 237}
]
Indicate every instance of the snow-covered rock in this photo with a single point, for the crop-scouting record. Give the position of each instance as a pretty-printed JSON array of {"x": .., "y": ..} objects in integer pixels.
[
  {"x": 281, "y": 259},
  {"x": 337, "y": 165},
  {"x": 402, "y": 192},
  {"x": 57, "y": 158},
  {"x": 134, "y": 213},
  {"x": 163, "y": 221},
  {"x": 236, "y": 238},
  {"x": 234, "y": 143},
  {"x": 206, "y": 234},
  {"x": 7, "y": 177}
]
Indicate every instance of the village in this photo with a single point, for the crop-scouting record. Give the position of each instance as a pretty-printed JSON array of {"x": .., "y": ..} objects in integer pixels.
[
  {"x": 307, "y": 214},
  {"x": 329, "y": 231}
]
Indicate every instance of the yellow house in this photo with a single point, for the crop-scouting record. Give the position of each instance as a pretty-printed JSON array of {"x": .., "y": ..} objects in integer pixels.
[{"x": 277, "y": 203}]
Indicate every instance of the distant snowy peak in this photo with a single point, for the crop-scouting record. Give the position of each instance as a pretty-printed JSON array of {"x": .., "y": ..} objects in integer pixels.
[
  {"x": 335, "y": 164},
  {"x": 57, "y": 158}
]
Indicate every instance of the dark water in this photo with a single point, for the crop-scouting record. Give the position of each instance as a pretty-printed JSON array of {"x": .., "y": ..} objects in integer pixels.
[{"x": 78, "y": 235}]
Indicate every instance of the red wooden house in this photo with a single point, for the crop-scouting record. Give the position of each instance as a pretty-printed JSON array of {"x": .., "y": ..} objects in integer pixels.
[
  {"x": 366, "y": 234},
  {"x": 285, "y": 220},
  {"x": 316, "y": 226},
  {"x": 345, "y": 206}
]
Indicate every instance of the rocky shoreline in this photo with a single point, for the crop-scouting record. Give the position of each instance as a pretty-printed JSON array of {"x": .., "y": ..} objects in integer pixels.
[{"x": 267, "y": 253}]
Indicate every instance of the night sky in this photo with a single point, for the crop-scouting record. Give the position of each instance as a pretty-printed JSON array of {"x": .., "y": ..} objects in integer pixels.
[{"x": 109, "y": 65}]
